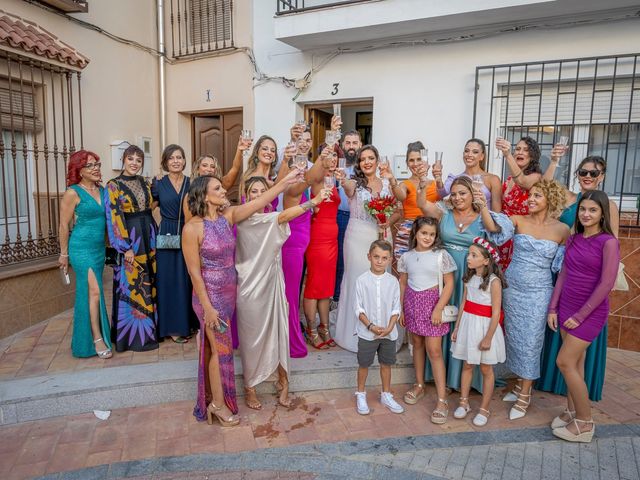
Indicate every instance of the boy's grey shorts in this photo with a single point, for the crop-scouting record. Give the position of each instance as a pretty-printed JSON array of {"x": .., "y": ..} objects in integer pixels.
[{"x": 367, "y": 351}]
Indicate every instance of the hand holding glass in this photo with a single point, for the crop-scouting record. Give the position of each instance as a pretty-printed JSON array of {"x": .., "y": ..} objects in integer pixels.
[
  {"x": 329, "y": 182},
  {"x": 330, "y": 138}
]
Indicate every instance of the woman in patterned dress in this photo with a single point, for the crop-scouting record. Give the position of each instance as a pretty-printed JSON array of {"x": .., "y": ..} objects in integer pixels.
[
  {"x": 208, "y": 245},
  {"x": 524, "y": 165},
  {"x": 132, "y": 232}
]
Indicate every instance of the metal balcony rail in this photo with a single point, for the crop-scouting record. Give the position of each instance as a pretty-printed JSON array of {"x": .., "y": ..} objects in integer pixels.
[
  {"x": 594, "y": 101},
  {"x": 40, "y": 126},
  {"x": 200, "y": 26}
]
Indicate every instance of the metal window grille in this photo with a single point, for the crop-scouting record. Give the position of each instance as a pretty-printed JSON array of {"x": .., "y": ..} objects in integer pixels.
[
  {"x": 595, "y": 101},
  {"x": 41, "y": 125},
  {"x": 200, "y": 26}
]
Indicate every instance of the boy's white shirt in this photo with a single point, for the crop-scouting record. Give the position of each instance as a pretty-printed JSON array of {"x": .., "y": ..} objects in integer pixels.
[{"x": 378, "y": 297}]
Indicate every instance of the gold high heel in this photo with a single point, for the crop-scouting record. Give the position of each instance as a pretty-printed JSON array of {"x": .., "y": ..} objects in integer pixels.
[
  {"x": 252, "y": 403},
  {"x": 212, "y": 411},
  {"x": 283, "y": 387}
]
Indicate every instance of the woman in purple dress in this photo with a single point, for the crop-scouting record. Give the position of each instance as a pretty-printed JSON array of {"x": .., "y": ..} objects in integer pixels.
[
  {"x": 208, "y": 246},
  {"x": 580, "y": 306}
]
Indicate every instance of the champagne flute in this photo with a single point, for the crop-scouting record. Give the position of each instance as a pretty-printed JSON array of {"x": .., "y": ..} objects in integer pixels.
[
  {"x": 498, "y": 137},
  {"x": 329, "y": 182},
  {"x": 424, "y": 155},
  {"x": 330, "y": 138},
  {"x": 477, "y": 183},
  {"x": 438, "y": 162},
  {"x": 337, "y": 112},
  {"x": 342, "y": 163},
  {"x": 383, "y": 163},
  {"x": 245, "y": 135}
]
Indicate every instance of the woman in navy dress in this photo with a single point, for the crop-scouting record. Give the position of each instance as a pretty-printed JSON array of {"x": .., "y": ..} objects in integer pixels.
[{"x": 176, "y": 318}]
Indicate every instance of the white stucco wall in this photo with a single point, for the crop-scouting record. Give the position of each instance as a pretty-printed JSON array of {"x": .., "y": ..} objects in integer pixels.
[{"x": 423, "y": 92}]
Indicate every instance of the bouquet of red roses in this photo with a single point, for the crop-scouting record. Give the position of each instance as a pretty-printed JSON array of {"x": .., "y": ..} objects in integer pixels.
[{"x": 381, "y": 208}]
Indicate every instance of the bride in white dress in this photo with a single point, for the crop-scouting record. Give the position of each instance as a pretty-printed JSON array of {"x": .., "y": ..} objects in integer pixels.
[{"x": 361, "y": 231}]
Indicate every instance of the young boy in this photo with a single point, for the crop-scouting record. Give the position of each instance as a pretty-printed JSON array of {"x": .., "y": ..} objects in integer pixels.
[{"x": 378, "y": 309}]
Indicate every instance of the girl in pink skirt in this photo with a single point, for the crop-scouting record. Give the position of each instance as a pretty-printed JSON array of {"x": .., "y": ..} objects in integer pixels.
[{"x": 420, "y": 269}]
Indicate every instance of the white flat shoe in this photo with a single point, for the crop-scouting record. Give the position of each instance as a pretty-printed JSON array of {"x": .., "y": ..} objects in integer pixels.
[
  {"x": 481, "y": 418},
  {"x": 462, "y": 410}
]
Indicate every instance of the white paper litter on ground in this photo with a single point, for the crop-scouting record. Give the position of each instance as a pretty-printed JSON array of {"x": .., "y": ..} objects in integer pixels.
[{"x": 102, "y": 414}]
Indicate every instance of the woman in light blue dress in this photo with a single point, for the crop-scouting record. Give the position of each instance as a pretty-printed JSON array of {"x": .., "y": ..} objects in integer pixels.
[
  {"x": 468, "y": 218},
  {"x": 538, "y": 251}
]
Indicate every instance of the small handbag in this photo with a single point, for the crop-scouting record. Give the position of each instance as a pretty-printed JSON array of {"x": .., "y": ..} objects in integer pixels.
[
  {"x": 168, "y": 241},
  {"x": 621, "y": 281},
  {"x": 449, "y": 312}
]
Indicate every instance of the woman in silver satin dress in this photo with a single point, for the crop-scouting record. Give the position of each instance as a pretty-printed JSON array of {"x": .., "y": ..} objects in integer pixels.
[{"x": 261, "y": 307}]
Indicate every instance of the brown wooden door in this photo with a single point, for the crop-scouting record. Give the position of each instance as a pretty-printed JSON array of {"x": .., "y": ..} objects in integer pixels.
[
  {"x": 320, "y": 122},
  {"x": 218, "y": 135}
]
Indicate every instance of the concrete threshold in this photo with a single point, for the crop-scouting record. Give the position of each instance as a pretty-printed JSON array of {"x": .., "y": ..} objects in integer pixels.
[{"x": 73, "y": 393}]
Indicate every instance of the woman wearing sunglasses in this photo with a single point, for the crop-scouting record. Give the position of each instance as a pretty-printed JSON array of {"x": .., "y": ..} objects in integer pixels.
[{"x": 590, "y": 175}]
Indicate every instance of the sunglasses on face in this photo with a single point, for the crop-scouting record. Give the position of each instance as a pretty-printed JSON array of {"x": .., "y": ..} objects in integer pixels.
[{"x": 592, "y": 173}]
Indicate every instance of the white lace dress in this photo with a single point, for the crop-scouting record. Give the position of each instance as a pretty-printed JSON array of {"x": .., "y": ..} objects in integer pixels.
[{"x": 361, "y": 231}]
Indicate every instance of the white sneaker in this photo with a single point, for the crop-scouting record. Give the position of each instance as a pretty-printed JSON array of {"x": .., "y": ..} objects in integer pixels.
[
  {"x": 386, "y": 398},
  {"x": 361, "y": 403}
]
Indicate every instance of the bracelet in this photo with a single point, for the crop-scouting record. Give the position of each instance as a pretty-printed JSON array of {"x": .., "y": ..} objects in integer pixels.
[
  {"x": 63, "y": 255},
  {"x": 308, "y": 205},
  {"x": 516, "y": 176},
  {"x": 369, "y": 326}
]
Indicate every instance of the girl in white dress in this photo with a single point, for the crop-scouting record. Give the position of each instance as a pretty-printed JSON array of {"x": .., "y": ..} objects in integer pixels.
[{"x": 477, "y": 337}]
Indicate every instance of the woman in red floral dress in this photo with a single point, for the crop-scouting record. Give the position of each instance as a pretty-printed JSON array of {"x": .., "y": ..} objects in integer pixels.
[{"x": 524, "y": 166}]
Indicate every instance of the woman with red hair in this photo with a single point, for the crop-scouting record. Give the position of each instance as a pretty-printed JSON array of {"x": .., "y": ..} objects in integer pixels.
[{"x": 84, "y": 249}]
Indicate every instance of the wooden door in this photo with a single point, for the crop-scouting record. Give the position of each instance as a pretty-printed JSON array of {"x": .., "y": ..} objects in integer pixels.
[
  {"x": 320, "y": 122},
  {"x": 218, "y": 135}
]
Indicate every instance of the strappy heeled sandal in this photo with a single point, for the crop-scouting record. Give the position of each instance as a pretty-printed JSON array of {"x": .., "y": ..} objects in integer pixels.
[
  {"x": 512, "y": 396},
  {"x": 463, "y": 408},
  {"x": 581, "y": 437},
  {"x": 439, "y": 415},
  {"x": 416, "y": 393},
  {"x": 104, "y": 354},
  {"x": 481, "y": 419},
  {"x": 313, "y": 339},
  {"x": 323, "y": 330},
  {"x": 213, "y": 411},
  {"x": 283, "y": 388},
  {"x": 251, "y": 398},
  {"x": 521, "y": 406},
  {"x": 559, "y": 422}
]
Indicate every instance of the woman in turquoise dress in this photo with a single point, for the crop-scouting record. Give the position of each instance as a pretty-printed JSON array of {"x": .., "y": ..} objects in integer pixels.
[
  {"x": 551, "y": 379},
  {"x": 84, "y": 249},
  {"x": 468, "y": 218}
]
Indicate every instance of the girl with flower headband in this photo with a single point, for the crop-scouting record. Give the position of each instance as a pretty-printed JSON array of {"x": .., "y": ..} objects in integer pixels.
[{"x": 477, "y": 338}]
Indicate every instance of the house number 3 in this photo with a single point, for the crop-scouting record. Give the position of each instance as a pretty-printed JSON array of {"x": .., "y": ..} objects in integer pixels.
[{"x": 335, "y": 89}]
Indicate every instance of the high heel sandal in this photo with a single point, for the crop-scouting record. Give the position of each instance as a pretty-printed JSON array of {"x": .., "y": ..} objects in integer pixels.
[
  {"x": 439, "y": 415},
  {"x": 521, "y": 406},
  {"x": 558, "y": 422},
  {"x": 283, "y": 387},
  {"x": 253, "y": 402},
  {"x": 104, "y": 354},
  {"x": 581, "y": 437},
  {"x": 212, "y": 411},
  {"x": 512, "y": 396},
  {"x": 313, "y": 339},
  {"x": 323, "y": 330},
  {"x": 463, "y": 408}
]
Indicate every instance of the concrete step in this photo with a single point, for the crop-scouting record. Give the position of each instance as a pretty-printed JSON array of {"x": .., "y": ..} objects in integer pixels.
[{"x": 110, "y": 388}]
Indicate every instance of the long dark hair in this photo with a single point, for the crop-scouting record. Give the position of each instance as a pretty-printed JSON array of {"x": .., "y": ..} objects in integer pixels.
[
  {"x": 483, "y": 147},
  {"x": 358, "y": 174},
  {"x": 602, "y": 200},
  {"x": 198, "y": 195},
  {"x": 492, "y": 269},
  {"x": 420, "y": 222},
  {"x": 534, "y": 156}
]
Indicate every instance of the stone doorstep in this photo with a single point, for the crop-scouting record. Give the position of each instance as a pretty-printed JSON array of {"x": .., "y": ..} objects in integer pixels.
[{"x": 46, "y": 396}]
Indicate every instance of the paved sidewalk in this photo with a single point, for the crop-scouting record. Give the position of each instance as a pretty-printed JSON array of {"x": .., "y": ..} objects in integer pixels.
[{"x": 507, "y": 454}]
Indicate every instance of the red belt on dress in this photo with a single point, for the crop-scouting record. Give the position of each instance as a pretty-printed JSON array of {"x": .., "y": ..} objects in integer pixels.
[{"x": 481, "y": 310}]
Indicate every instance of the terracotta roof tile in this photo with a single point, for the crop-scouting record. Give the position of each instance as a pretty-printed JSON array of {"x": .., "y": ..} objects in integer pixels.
[{"x": 30, "y": 37}]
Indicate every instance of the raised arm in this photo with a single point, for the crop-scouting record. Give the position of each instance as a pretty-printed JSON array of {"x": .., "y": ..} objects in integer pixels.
[
  {"x": 294, "y": 212},
  {"x": 229, "y": 179},
  {"x": 242, "y": 212},
  {"x": 429, "y": 209},
  {"x": 397, "y": 188},
  {"x": 495, "y": 187},
  {"x": 316, "y": 173},
  {"x": 556, "y": 155},
  {"x": 524, "y": 181}
]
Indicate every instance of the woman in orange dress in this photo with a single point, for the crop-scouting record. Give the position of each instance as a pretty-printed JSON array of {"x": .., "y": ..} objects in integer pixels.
[
  {"x": 405, "y": 192},
  {"x": 322, "y": 253}
]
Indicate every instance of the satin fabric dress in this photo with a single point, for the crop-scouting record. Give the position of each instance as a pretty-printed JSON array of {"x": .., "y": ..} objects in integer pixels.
[
  {"x": 86, "y": 253},
  {"x": 219, "y": 276},
  {"x": 292, "y": 265},
  {"x": 262, "y": 309}
]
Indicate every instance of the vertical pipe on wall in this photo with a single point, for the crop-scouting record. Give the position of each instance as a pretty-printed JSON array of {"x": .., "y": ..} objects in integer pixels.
[{"x": 161, "y": 67}]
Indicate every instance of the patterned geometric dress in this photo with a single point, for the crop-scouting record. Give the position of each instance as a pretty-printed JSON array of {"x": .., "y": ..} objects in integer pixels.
[
  {"x": 131, "y": 227},
  {"x": 217, "y": 260}
]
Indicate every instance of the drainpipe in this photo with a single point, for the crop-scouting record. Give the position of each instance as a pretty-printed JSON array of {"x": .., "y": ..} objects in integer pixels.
[{"x": 161, "y": 65}]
